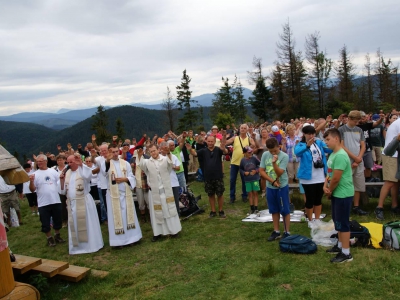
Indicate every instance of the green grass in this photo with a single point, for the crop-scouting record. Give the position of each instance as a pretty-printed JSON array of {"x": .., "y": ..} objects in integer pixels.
[{"x": 216, "y": 259}]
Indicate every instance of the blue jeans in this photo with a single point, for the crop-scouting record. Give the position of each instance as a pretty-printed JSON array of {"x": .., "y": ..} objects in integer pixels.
[
  {"x": 102, "y": 205},
  {"x": 181, "y": 180},
  {"x": 233, "y": 174}
]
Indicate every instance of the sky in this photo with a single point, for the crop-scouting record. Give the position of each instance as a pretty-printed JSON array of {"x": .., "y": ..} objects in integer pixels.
[{"x": 79, "y": 54}]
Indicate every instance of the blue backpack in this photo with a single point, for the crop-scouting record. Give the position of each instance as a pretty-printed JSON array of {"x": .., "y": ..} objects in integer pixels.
[{"x": 297, "y": 244}]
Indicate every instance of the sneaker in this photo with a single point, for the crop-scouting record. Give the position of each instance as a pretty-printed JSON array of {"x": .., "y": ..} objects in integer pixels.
[
  {"x": 285, "y": 235},
  {"x": 334, "y": 250},
  {"x": 357, "y": 210},
  {"x": 395, "y": 210},
  {"x": 379, "y": 213},
  {"x": 37, "y": 213},
  {"x": 274, "y": 236},
  {"x": 58, "y": 238},
  {"x": 232, "y": 201},
  {"x": 311, "y": 223},
  {"x": 244, "y": 199},
  {"x": 33, "y": 214},
  {"x": 341, "y": 257},
  {"x": 263, "y": 194},
  {"x": 51, "y": 242},
  {"x": 291, "y": 207},
  {"x": 213, "y": 214},
  {"x": 222, "y": 214}
]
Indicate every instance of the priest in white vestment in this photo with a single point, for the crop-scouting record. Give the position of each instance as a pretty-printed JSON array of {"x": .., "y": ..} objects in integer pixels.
[
  {"x": 163, "y": 213},
  {"x": 123, "y": 224},
  {"x": 83, "y": 223}
]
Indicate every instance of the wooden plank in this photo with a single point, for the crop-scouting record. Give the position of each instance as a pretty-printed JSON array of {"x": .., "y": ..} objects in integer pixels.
[
  {"x": 23, "y": 291},
  {"x": 73, "y": 273},
  {"x": 24, "y": 263},
  {"x": 50, "y": 268}
]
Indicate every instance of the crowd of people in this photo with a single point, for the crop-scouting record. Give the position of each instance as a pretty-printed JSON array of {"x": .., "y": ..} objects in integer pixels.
[{"x": 328, "y": 156}]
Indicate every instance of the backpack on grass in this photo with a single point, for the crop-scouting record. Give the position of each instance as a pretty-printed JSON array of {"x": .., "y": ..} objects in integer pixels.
[
  {"x": 360, "y": 234},
  {"x": 297, "y": 244},
  {"x": 391, "y": 235}
]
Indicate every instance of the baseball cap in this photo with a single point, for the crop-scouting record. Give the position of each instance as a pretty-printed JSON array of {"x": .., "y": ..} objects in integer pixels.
[
  {"x": 274, "y": 128},
  {"x": 214, "y": 127},
  {"x": 376, "y": 117}
]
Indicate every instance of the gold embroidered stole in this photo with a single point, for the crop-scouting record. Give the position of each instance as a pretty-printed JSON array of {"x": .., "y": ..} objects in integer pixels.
[
  {"x": 81, "y": 235},
  {"x": 115, "y": 201},
  {"x": 161, "y": 172}
]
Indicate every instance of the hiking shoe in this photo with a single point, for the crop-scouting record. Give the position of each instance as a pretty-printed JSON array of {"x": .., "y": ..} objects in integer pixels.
[
  {"x": 213, "y": 214},
  {"x": 357, "y": 210},
  {"x": 274, "y": 236},
  {"x": 395, "y": 210},
  {"x": 58, "y": 238},
  {"x": 51, "y": 242},
  {"x": 379, "y": 213},
  {"x": 341, "y": 257},
  {"x": 285, "y": 235},
  {"x": 334, "y": 250},
  {"x": 222, "y": 214}
]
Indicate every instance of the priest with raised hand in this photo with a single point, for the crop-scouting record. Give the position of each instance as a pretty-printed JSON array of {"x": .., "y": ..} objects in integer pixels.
[
  {"x": 163, "y": 213},
  {"x": 123, "y": 225},
  {"x": 83, "y": 223}
]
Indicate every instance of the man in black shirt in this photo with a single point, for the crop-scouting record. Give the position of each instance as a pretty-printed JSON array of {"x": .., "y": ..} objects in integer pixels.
[{"x": 210, "y": 158}]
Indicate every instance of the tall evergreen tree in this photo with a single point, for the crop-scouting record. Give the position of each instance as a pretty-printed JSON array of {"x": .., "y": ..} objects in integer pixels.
[
  {"x": 100, "y": 122},
  {"x": 185, "y": 102},
  {"x": 239, "y": 102},
  {"x": 319, "y": 71},
  {"x": 345, "y": 72},
  {"x": 223, "y": 101},
  {"x": 119, "y": 128},
  {"x": 169, "y": 105},
  {"x": 385, "y": 75}
]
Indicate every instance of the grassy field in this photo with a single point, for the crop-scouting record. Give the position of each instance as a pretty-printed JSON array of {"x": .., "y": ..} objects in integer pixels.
[{"x": 216, "y": 259}]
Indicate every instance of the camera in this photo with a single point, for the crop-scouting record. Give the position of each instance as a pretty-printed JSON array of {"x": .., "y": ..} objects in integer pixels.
[{"x": 318, "y": 164}]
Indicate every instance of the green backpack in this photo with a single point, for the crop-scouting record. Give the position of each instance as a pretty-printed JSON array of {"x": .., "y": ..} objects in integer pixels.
[{"x": 391, "y": 235}]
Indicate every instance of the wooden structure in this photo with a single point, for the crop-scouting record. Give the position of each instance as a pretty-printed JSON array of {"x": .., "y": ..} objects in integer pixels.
[{"x": 10, "y": 169}]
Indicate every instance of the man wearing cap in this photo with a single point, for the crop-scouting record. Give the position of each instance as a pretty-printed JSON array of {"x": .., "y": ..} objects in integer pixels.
[
  {"x": 127, "y": 150},
  {"x": 239, "y": 142},
  {"x": 353, "y": 142}
]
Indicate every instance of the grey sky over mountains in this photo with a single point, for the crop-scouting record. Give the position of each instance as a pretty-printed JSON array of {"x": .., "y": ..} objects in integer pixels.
[{"x": 79, "y": 54}]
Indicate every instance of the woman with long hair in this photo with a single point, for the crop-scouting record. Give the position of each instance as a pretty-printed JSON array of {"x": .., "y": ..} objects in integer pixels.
[
  {"x": 288, "y": 144},
  {"x": 389, "y": 120},
  {"x": 312, "y": 170},
  {"x": 262, "y": 147}
]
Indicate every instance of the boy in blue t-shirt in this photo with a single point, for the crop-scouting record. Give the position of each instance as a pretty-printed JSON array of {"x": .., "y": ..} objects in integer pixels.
[
  {"x": 273, "y": 170},
  {"x": 249, "y": 169}
]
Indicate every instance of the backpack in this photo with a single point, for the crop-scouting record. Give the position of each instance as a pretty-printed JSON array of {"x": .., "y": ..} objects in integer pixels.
[
  {"x": 297, "y": 244},
  {"x": 373, "y": 191},
  {"x": 391, "y": 235},
  {"x": 360, "y": 234}
]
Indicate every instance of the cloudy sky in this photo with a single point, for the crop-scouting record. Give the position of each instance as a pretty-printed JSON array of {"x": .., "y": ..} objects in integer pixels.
[{"x": 82, "y": 53}]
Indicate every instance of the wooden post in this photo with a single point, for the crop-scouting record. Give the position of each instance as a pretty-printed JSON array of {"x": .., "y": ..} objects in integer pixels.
[{"x": 6, "y": 274}]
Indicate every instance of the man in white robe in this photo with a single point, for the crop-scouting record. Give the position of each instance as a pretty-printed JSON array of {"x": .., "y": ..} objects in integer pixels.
[
  {"x": 84, "y": 227},
  {"x": 123, "y": 224},
  {"x": 163, "y": 213}
]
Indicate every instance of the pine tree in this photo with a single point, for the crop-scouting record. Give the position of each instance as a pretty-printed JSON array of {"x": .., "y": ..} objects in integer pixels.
[
  {"x": 261, "y": 102},
  {"x": 239, "y": 102},
  {"x": 100, "y": 122},
  {"x": 385, "y": 84},
  {"x": 223, "y": 101},
  {"x": 119, "y": 128},
  {"x": 185, "y": 101},
  {"x": 345, "y": 75},
  {"x": 170, "y": 106},
  {"x": 319, "y": 71}
]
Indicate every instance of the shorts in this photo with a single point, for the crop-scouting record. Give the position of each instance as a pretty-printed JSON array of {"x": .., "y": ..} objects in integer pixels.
[
  {"x": 214, "y": 186},
  {"x": 278, "y": 200},
  {"x": 47, "y": 212},
  {"x": 252, "y": 186},
  {"x": 389, "y": 168},
  {"x": 32, "y": 199},
  {"x": 9, "y": 200},
  {"x": 341, "y": 213},
  {"x": 368, "y": 161},
  {"x": 359, "y": 179}
]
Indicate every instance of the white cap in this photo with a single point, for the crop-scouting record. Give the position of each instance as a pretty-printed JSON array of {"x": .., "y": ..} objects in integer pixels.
[{"x": 275, "y": 128}]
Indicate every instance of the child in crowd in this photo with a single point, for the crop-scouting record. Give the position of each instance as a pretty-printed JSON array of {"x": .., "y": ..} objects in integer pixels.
[
  {"x": 340, "y": 189},
  {"x": 273, "y": 170},
  {"x": 249, "y": 168},
  {"x": 32, "y": 197}
]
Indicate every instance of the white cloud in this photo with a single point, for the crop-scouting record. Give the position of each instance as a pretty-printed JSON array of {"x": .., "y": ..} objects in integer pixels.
[{"x": 73, "y": 54}]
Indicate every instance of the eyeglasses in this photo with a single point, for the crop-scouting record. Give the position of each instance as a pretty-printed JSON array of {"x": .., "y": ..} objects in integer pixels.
[{"x": 88, "y": 161}]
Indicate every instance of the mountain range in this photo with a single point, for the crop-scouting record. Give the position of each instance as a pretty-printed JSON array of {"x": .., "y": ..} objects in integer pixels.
[{"x": 65, "y": 118}]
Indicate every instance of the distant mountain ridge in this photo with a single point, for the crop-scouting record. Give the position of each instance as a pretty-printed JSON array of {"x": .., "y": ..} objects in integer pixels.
[{"x": 65, "y": 118}]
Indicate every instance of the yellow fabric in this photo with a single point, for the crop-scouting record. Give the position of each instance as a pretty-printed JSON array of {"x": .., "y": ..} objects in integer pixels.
[
  {"x": 375, "y": 230},
  {"x": 237, "y": 154}
]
